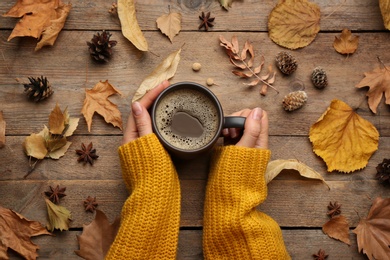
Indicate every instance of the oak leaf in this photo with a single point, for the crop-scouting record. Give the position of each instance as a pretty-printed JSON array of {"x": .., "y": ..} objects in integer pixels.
[
  {"x": 15, "y": 233},
  {"x": 385, "y": 11},
  {"x": 96, "y": 100},
  {"x": 346, "y": 44},
  {"x": 276, "y": 166},
  {"x": 97, "y": 237},
  {"x": 373, "y": 232},
  {"x": 294, "y": 24},
  {"x": 169, "y": 24},
  {"x": 343, "y": 139},
  {"x": 41, "y": 19},
  {"x": 338, "y": 228},
  {"x": 2, "y": 130},
  {"x": 129, "y": 24},
  {"x": 378, "y": 81},
  {"x": 164, "y": 71},
  {"x": 58, "y": 216}
]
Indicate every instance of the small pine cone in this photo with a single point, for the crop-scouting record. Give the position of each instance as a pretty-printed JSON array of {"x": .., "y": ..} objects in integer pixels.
[
  {"x": 38, "y": 89},
  {"x": 100, "y": 46},
  {"x": 286, "y": 62},
  {"x": 319, "y": 78},
  {"x": 383, "y": 171},
  {"x": 294, "y": 100}
]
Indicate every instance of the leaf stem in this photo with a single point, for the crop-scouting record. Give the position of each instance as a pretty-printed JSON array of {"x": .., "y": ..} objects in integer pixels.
[{"x": 266, "y": 83}]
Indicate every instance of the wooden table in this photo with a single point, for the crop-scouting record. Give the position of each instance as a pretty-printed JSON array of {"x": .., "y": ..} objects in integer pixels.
[{"x": 297, "y": 204}]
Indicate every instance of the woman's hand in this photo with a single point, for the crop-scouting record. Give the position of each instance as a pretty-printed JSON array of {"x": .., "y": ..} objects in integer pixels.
[
  {"x": 256, "y": 129},
  {"x": 139, "y": 122}
]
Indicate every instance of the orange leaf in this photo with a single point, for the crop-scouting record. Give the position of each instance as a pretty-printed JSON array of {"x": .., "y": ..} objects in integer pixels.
[
  {"x": 379, "y": 82},
  {"x": 97, "y": 237},
  {"x": 337, "y": 228},
  {"x": 373, "y": 233},
  {"x": 2, "y": 130},
  {"x": 96, "y": 100},
  {"x": 15, "y": 233},
  {"x": 343, "y": 139},
  {"x": 346, "y": 44}
]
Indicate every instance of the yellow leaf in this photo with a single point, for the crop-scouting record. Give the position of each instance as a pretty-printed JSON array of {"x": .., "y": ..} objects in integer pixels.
[
  {"x": 346, "y": 44},
  {"x": 59, "y": 216},
  {"x": 35, "y": 146},
  {"x": 164, "y": 71},
  {"x": 226, "y": 3},
  {"x": 276, "y": 166},
  {"x": 385, "y": 10},
  {"x": 56, "y": 121},
  {"x": 129, "y": 24},
  {"x": 343, "y": 139},
  {"x": 96, "y": 100},
  {"x": 294, "y": 24},
  {"x": 169, "y": 24}
]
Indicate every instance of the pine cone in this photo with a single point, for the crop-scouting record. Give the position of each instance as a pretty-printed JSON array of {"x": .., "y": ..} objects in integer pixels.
[
  {"x": 294, "y": 100},
  {"x": 38, "y": 89},
  {"x": 286, "y": 62},
  {"x": 383, "y": 171},
  {"x": 100, "y": 46},
  {"x": 319, "y": 78}
]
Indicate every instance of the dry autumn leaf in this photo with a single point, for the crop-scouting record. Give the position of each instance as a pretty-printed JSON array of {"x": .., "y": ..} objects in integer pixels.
[
  {"x": 41, "y": 19},
  {"x": 15, "y": 233},
  {"x": 226, "y": 3},
  {"x": 96, "y": 100},
  {"x": 385, "y": 10},
  {"x": 169, "y": 24},
  {"x": 373, "y": 233},
  {"x": 58, "y": 216},
  {"x": 276, "y": 166},
  {"x": 294, "y": 24},
  {"x": 164, "y": 71},
  {"x": 346, "y": 44},
  {"x": 2, "y": 130},
  {"x": 343, "y": 139},
  {"x": 97, "y": 237},
  {"x": 338, "y": 228},
  {"x": 378, "y": 81},
  {"x": 129, "y": 24}
]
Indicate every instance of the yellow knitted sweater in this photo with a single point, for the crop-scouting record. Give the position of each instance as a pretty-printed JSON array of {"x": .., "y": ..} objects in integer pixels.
[{"x": 233, "y": 228}]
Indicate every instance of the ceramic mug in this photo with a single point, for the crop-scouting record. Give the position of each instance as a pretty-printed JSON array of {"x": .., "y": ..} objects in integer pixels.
[{"x": 188, "y": 119}]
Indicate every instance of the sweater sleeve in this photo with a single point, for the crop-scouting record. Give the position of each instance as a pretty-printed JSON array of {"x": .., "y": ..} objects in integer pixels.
[
  {"x": 150, "y": 216},
  {"x": 233, "y": 227}
]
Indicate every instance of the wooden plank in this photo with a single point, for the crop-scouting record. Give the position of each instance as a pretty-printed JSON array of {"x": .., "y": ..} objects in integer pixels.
[
  {"x": 242, "y": 16},
  {"x": 72, "y": 70}
]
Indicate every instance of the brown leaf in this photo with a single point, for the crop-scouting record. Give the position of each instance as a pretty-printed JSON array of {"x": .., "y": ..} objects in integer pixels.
[
  {"x": 15, "y": 233},
  {"x": 56, "y": 121},
  {"x": 169, "y": 24},
  {"x": 379, "y": 82},
  {"x": 96, "y": 100},
  {"x": 337, "y": 228},
  {"x": 97, "y": 237},
  {"x": 2, "y": 130},
  {"x": 346, "y": 44},
  {"x": 373, "y": 233}
]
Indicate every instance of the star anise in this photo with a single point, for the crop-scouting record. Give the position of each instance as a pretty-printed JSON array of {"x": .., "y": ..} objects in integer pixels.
[
  {"x": 90, "y": 204},
  {"x": 206, "y": 21},
  {"x": 333, "y": 209},
  {"x": 55, "y": 194},
  {"x": 320, "y": 255},
  {"x": 87, "y": 154}
]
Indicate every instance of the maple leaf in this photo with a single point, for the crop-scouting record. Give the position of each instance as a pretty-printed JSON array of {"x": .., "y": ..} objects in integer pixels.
[
  {"x": 378, "y": 81},
  {"x": 169, "y": 24},
  {"x": 338, "y": 228},
  {"x": 97, "y": 237},
  {"x": 343, "y": 139},
  {"x": 59, "y": 216},
  {"x": 373, "y": 233},
  {"x": 294, "y": 24},
  {"x": 346, "y": 44},
  {"x": 96, "y": 100},
  {"x": 2, "y": 130},
  {"x": 15, "y": 233},
  {"x": 41, "y": 19},
  {"x": 385, "y": 11}
]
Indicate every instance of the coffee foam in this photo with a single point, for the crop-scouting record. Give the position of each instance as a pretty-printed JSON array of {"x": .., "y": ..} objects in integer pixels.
[{"x": 196, "y": 104}]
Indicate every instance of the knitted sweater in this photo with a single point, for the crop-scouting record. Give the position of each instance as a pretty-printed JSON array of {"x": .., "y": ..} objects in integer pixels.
[{"x": 233, "y": 228}]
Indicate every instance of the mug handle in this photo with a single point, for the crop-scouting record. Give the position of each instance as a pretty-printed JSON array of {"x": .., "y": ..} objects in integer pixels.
[{"x": 234, "y": 122}]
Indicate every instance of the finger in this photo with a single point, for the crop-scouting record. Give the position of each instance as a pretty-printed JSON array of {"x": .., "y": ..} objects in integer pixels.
[
  {"x": 148, "y": 99},
  {"x": 142, "y": 119},
  {"x": 252, "y": 129},
  {"x": 235, "y": 132},
  {"x": 262, "y": 141}
]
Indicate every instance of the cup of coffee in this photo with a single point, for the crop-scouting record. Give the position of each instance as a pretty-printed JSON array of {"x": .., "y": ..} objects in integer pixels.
[{"x": 188, "y": 119}]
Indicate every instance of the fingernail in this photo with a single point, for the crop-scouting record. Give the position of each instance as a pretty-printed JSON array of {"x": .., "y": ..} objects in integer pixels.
[
  {"x": 257, "y": 113},
  {"x": 137, "y": 108},
  {"x": 225, "y": 132}
]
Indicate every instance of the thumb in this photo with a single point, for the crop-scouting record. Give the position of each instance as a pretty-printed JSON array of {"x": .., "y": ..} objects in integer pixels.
[
  {"x": 252, "y": 129},
  {"x": 142, "y": 119}
]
